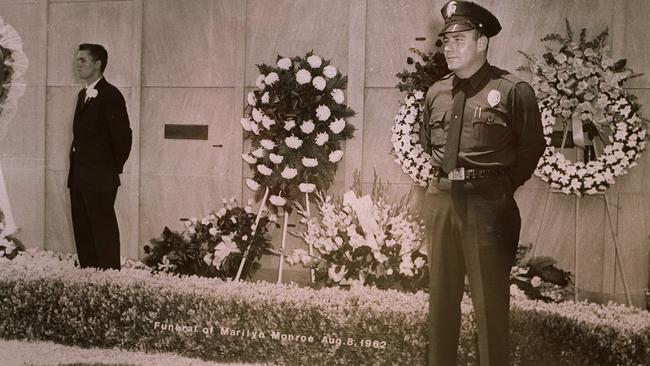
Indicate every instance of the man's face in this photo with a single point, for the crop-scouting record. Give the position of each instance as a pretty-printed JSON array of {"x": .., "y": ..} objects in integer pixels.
[
  {"x": 462, "y": 50},
  {"x": 86, "y": 67}
]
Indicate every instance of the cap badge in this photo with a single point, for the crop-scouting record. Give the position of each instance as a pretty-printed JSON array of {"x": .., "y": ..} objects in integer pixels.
[
  {"x": 493, "y": 98},
  {"x": 451, "y": 8}
]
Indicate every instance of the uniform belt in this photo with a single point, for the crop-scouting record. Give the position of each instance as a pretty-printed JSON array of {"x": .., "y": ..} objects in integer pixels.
[{"x": 463, "y": 174}]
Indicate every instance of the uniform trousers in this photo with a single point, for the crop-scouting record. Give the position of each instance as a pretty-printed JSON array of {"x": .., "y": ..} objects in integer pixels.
[
  {"x": 96, "y": 234},
  {"x": 472, "y": 230}
]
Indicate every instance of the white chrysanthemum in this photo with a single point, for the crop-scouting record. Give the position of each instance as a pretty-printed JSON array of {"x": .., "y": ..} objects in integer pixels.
[
  {"x": 259, "y": 82},
  {"x": 289, "y": 124},
  {"x": 337, "y": 126},
  {"x": 306, "y": 187},
  {"x": 267, "y": 144},
  {"x": 323, "y": 112},
  {"x": 338, "y": 96},
  {"x": 284, "y": 63},
  {"x": 249, "y": 158},
  {"x": 246, "y": 123},
  {"x": 329, "y": 71},
  {"x": 267, "y": 122},
  {"x": 319, "y": 83},
  {"x": 322, "y": 138},
  {"x": 289, "y": 173},
  {"x": 276, "y": 159},
  {"x": 307, "y": 127},
  {"x": 263, "y": 169},
  {"x": 277, "y": 200},
  {"x": 335, "y": 156},
  {"x": 271, "y": 78},
  {"x": 293, "y": 142},
  {"x": 314, "y": 61},
  {"x": 309, "y": 162},
  {"x": 303, "y": 76},
  {"x": 251, "y": 99},
  {"x": 257, "y": 115},
  {"x": 253, "y": 185}
]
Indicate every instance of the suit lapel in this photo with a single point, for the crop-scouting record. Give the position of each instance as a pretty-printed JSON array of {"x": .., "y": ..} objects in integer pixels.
[{"x": 80, "y": 101}]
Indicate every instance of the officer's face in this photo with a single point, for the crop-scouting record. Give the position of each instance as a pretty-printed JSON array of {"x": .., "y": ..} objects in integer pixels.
[
  {"x": 464, "y": 51},
  {"x": 86, "y": 67}
]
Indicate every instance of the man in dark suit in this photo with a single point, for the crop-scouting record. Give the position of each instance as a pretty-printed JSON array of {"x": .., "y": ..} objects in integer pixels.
[{"x": 100, "y": 146}]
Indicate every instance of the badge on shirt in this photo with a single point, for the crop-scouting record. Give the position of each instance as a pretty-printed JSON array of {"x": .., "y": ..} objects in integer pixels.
[{"x": 493, "y": 98}]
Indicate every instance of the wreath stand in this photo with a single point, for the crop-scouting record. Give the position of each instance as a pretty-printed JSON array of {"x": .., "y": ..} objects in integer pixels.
[{"x": 619, "y": 262}]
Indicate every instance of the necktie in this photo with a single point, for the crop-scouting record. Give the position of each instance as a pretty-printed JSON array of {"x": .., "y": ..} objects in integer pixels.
[{"x": 450, "y": 161}]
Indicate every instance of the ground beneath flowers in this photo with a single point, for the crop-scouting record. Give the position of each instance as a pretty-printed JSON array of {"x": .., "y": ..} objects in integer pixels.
[{"x": 19, "y": 353}]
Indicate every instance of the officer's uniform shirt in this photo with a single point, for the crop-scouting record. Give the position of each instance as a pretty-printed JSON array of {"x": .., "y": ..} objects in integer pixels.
[{"x": 501, "y": 122}]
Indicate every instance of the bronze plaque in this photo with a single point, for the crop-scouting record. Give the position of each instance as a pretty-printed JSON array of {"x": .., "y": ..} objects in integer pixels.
[{"x": 186, "y": 132}]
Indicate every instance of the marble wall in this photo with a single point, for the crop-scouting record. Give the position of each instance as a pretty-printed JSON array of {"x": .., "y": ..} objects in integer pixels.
[{"x": 192, "y": 61}]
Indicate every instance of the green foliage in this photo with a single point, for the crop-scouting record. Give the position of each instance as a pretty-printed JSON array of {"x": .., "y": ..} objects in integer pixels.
[{"x": 430, "y": 67}]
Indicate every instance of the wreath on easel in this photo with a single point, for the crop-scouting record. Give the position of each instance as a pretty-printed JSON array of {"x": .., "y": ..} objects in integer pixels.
[{"x": 579, "y": 85}]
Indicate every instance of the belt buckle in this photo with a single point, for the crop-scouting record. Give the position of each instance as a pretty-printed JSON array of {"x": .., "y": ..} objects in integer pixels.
[{"x": 457, "y": 174}]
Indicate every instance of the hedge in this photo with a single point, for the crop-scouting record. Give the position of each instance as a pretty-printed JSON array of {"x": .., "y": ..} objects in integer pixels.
[{"x": 224, "y": 321}]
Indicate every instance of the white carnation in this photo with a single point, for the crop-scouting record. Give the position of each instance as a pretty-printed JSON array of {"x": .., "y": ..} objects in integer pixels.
[
  {"x": 323, "y": 112},
  {"x": 303, "y": 76},
  {"x": 314, "y": 61},
  {"x": 265, "y": 170},
  {"x": 335, "y": 156},
  {"x": 284, "y": 63},
  {"x": 253, "y": 185},
  {"x": 337, "y": 126},
  {"x": 338, "y": 96},
  {"x": 265, "y": 97},
  {"x": 260, "y": 82},
  {"x": 322, "y": 138},
  {"x": 309, "y": 162},
  {"x": 249, "y": 158},
  {"x": 289, "y": 124},
  {"x": 329, "y": 71},
  {"x": 293, "y": 142},
  {"x": 267, "y": 144},
  {"x": 271, "y": 78},
  {"x": 277, "y": 200},
  {"x": 289, "y": 173},
  {"x": 267, "y": 122},
  {"x": 319, "y": 83},
  {"x": 306, "y": 187},
  {"x": 258, "y": 153},
  {"x": 257, "y": 115},
  {"x": 277, "y": 159},
  {"x": 307, "y": 127},
  {"x": 246, "y": 123},
  {"x": 251, "y": 99}
]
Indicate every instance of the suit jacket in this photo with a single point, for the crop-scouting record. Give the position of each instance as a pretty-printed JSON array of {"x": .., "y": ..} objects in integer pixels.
[{"x": 101, "y": 139}]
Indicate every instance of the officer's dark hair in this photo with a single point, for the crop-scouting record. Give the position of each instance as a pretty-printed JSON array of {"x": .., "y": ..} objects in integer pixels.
[{"x": 97, "y": 52}]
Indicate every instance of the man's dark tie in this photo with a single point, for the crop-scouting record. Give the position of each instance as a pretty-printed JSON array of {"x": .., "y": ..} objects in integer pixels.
[{"x": 450, "y": 161}]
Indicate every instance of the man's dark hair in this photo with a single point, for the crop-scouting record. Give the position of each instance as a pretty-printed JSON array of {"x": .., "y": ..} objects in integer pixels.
[{"x": 97, "y": 52}]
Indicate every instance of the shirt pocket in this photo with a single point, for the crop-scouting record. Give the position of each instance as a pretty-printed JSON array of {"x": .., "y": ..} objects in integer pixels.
[{"x": 490, "y": 127}]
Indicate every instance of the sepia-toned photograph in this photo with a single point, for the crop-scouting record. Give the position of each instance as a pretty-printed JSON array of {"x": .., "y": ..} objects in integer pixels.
[{"x": 324, "y": 182}]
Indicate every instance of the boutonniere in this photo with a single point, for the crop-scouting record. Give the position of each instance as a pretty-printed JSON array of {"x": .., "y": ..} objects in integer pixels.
[
  {"x": 493, "y": 98},
  {"x": 91, "y": 93}
]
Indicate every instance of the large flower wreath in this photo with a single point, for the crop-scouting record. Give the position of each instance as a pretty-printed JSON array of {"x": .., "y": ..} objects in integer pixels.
[
  {"x": 409, "y": 154},
  {"x": 13, "y": 64},
  {"x": 295, "y": 120},
  {"x": 576, "y": 79}
]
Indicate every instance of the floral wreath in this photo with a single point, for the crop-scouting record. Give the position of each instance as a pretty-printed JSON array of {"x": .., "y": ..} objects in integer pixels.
[
  {"x": 576, "y": 80},
  {"x": 295, "y": 120},
  {"x": 13, "y": 64},
  {"x": 409, "y": 154}
]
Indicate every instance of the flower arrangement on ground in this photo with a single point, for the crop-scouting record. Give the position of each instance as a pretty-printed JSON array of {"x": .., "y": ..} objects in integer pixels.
[
  {"x": 409, "y": 154},
  {"x": 10, "y": 246},
  {"x": 13, "y": 64},
  {"x": 296, "y": 122},
  {"x": 212, "y": 246},
  {"x": 364, "y": 239},
  {"x": 538, "y": 278},
  {"x": 577, "y": 83}
]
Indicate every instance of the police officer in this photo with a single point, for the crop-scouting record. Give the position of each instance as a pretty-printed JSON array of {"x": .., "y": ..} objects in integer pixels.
[{"x": 483, "y": 128}]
